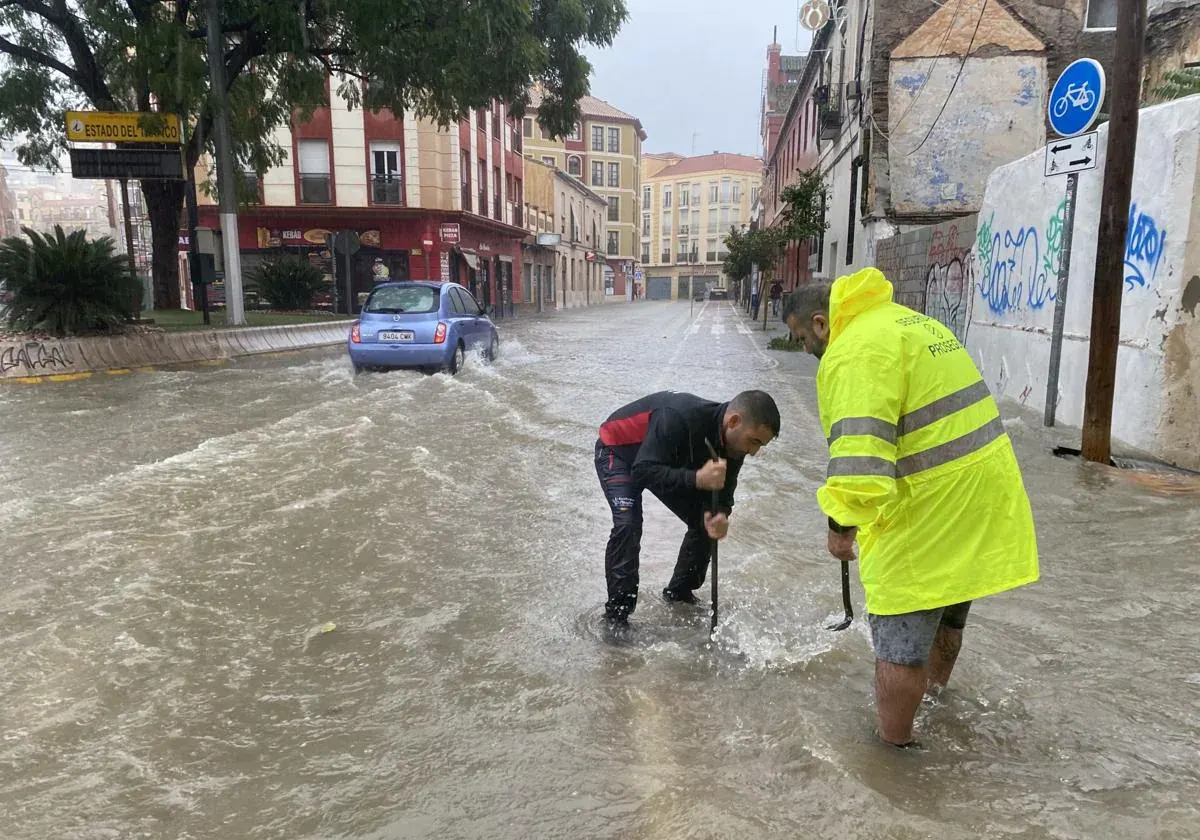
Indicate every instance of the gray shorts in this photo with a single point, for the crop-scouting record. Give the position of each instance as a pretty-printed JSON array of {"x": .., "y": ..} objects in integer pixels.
[{"x": 907, "y": 638}]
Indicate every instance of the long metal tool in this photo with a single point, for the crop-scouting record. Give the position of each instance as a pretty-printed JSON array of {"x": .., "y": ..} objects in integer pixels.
[
  {"x": 849, "y": 619},
  {"x": 716, "y": 500}
]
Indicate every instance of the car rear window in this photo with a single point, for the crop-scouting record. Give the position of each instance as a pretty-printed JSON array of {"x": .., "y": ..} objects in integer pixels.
[{"x": 408, "y": 299}]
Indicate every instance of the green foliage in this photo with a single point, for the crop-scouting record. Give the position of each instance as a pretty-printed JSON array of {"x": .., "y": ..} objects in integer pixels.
[
  {"x": 803, "y": 213},
  {"x": 1177, "y": 84},
  {"x": 289, "y": 283},
  {"x": 65, "y": 284},
  {"x": 760, "y": 246},
  {"x": 439, "y": 59}
]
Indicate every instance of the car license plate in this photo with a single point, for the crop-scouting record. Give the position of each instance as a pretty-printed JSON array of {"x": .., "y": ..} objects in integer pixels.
[{"x": 396, "y": 335}]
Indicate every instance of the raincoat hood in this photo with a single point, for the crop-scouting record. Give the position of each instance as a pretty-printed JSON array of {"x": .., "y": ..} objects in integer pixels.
[{"x": 854, "y": 294}]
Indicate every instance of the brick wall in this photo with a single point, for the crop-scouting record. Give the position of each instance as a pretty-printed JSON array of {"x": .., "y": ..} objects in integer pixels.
[{"x": 932, "y": 270}]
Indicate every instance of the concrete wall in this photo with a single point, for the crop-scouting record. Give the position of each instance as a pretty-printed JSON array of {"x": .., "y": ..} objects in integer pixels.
[
  {"x": 933, "y": 271},
  {"x": 72, "y": 356},
  {"x": 1017, "y": 253}
]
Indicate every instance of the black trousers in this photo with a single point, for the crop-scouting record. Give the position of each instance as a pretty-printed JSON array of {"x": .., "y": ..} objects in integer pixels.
[{"x": 622, "y": 556}]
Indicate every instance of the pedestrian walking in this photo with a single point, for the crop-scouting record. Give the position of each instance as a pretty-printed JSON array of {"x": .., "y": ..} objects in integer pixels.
[
  {"x": 776, "y": 297},
  {"x": 660, "y": 443},
  {"x": 921, "y": 475}
]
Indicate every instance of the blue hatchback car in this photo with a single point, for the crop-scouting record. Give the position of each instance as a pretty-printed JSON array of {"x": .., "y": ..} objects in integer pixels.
[{"x": 424, "y": 325}]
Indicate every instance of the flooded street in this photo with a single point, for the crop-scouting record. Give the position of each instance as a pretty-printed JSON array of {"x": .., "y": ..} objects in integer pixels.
[{"x": 176, "y": 545}]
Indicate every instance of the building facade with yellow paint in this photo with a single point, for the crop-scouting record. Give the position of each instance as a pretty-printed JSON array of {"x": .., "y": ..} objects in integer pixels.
[{"x": 689, "y": 205}]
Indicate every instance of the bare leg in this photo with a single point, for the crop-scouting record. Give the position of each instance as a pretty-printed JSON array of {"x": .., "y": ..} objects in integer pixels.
[
  {"x": 898, "y": 693},
  {"x": 946, "y": 646}
]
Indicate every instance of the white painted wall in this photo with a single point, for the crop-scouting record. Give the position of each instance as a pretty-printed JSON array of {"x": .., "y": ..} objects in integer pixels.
[
  {"x": 279, "y": 182},
  {"x": 1016, "y": 259}
]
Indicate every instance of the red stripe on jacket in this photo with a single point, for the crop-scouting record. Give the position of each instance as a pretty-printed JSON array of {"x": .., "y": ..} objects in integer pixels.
[{"x": 625, "y": 431}]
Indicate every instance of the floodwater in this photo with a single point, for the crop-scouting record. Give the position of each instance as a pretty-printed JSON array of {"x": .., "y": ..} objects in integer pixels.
[{"x": 177, "y": 544}]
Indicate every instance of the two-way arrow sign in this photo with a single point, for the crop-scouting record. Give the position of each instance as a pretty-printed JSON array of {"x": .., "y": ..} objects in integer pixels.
[{"x": 1071, "y": 154}]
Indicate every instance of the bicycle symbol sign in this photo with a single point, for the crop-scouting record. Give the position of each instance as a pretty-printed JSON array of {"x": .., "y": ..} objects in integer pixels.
[{"x": 1076, "y": 97}]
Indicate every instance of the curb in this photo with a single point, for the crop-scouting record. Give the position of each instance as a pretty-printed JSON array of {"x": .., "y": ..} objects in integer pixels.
[{"x": 72, "y": 359}]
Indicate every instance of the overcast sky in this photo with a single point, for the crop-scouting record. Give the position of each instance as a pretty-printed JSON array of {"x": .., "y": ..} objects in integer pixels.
[{"x": 694, "y": 66}]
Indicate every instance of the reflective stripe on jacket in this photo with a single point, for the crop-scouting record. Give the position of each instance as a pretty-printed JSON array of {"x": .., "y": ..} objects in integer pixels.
[{"x": 919, "y": 459}]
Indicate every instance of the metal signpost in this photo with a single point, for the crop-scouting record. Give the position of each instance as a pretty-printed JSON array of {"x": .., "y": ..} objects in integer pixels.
[{"x": 1073, "y": 108}]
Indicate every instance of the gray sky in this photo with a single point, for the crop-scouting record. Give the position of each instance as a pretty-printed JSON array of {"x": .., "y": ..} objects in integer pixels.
[{"x": 684, "y": 66}]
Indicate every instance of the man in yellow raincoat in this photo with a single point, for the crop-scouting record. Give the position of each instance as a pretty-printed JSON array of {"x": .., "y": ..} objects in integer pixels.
[{"x": 921, "y": 474}]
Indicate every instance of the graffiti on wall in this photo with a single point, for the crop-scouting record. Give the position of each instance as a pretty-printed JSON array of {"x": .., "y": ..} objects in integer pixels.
[
  {"x": 1144, "y": 245},
  {"x": 949, "y": 278},
  {"x": 1018, "y": 267},
  {"x": 33, "y": 355}
]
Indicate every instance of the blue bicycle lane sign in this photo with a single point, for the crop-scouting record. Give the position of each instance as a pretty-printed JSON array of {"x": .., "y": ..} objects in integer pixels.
[{"x": 1076, "y": 97}]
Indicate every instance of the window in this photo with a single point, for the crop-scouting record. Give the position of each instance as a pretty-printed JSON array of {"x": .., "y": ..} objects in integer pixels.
[
  {"x": 527, "y": 126},
  {"x": 597, "y": 174},
  {"x": 597, "y": 138},
  {"x": 614, "y": 140},
  {"x": 574, "y": 135},
  {"x": 314, "y": 172},
  {"x": 645, "y": 198},
  {"x": 614, "y": 243},
  {"x": 666, "y": 197},
  {"x": 710, "y": 250},
  {"x": 645, "y": 253},
  {"x": 724, "y": 190},
  {"x": 753, "y": 196},
  {"x": 666, "y": 223},
  {"x": 482, "y": 189},
  {"x": 665, "y": 252},
  {"x": 684, "y": 194},
  {"x": 549, "y": 161},
  {"x": 464, "y": 157},
  {"x": 645, "y": 224},
  {"x": 575, "y": 166},
  {"x": 737, "y": 192},
  {"x": 249, "y": 192},
  {"x": 695, "y": 226},
  {"x": 724, "y": 219},
  {"x": 614, "y": 174},
  {"x": 385, "y": 173},
  {"x": 712, "y": 192},
  {"x": 712, "y": 221},
  {"x": 614, "y": 208},
  {"x": 696, "y": 194},
  {"x": 396, "y": 299},
  {"x": 1100, "y": 14},
  {"x": 496, "y": 122}
]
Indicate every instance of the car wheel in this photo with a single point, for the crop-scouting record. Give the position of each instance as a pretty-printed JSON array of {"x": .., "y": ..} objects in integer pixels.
[
  {"x": 493, "y": 352},
  {"x": 458, "y": 359}
]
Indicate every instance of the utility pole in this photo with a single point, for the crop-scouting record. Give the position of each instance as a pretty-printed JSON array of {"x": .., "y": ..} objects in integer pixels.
[
  {"x": 235, "y": 312},
  {"x": 1114, "y": 224}
]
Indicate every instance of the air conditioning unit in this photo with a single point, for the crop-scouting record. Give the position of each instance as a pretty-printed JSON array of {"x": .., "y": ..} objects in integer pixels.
[{"x": 853, "y": 90}]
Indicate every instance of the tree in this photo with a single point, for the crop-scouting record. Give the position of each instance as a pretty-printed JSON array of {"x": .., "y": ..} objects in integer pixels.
[
  {"x": 437, "y": 58},
  {"x": 803, "y": 215},
  {"x": 1177, "y": 84},
  {"x": 65, "y": 283},
  {"x": 759, "y": 246}
]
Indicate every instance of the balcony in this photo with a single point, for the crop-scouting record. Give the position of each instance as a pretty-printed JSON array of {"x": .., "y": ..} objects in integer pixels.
[
  {"x": 315, "y": 189},
  {"x": 665, "y": 257},
  {"x": 830, "y": 116},
  {"x": 710, "y": 256},
  {"x": 683, "y": 230},
  {"x": 386, "y": 189}
]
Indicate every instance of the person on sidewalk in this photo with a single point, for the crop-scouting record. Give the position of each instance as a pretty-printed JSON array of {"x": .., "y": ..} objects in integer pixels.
[
  {"x": 660, "y": 443},
  {"x": 921, "y": 474},
  {"x": 776, "y": 297}
]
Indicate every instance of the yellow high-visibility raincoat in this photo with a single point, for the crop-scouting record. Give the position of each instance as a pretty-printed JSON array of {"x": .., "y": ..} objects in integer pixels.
[{"x": 919, "y": 459}]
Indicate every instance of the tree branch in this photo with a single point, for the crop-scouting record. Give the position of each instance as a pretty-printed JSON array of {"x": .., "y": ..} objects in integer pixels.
[{"x": 32, "y": 55}]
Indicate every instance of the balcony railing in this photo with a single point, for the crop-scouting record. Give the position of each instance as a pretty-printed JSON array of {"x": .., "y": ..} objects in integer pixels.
[
  {"x": 710, "y": 256},
  {"x": 385, "y": 189},
  {"x": 315, "y": 189},
  {"x": 666, "y": 257}
]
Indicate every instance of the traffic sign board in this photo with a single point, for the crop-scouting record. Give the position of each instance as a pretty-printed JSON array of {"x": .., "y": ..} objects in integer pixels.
[
  {"x": 1071, "y": 154},
  {"x": 1076, "y": 97},
  {"x": 133, "y": 164},
  {"x": 122, "y": 127}
]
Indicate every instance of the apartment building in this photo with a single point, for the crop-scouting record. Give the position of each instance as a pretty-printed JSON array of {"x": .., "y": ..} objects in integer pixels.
[
  {"x": 567, "y": 224},
  {"x": 689, "y": 206},
  {"x": 412, "y": 200},
  {"x": 604, "y": 152}
]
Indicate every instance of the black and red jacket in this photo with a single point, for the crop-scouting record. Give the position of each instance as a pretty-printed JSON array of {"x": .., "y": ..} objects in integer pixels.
[{"x": 663, "y": 437}]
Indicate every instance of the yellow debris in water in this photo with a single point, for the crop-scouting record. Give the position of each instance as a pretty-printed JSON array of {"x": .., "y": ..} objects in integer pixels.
[{"x": 328, "y": 627}]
